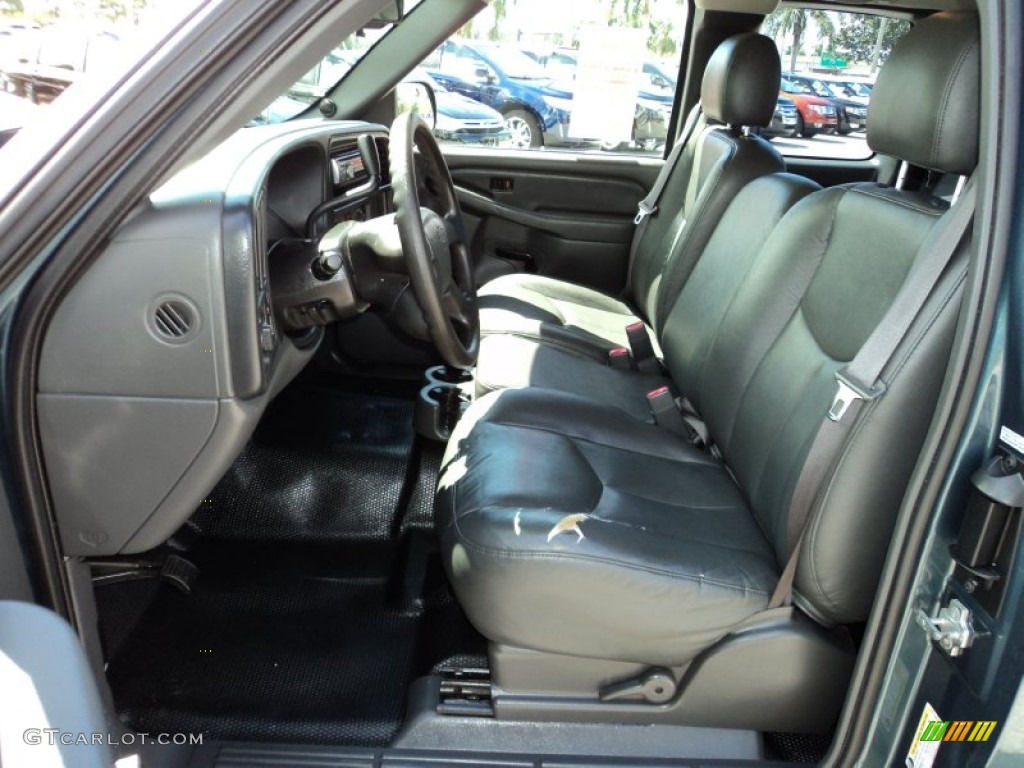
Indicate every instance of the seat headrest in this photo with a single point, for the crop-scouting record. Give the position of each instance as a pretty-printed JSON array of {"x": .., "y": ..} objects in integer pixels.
[
  {"x": 924, "y": 108},
  {"x": 741, "y": 82}
]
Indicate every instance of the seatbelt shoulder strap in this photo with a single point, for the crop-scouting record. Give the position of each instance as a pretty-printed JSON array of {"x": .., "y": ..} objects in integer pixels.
[{"x": 649, "y": 205}]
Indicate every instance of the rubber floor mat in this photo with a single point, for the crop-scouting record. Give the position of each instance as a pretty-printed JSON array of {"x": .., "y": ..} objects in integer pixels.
[
  {"x": 323, "y": 465},
  {"x": 272, "y": 648},
  {"x": 316, "y": 606}
]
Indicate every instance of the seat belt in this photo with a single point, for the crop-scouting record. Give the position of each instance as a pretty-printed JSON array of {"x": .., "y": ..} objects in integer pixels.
[
  {"x": 649, "y": 205},
  {"x": 859, "y": 381}
]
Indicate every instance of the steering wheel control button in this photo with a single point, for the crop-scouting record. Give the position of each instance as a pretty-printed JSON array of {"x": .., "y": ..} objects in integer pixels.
[{"x": 267, "y": 338}]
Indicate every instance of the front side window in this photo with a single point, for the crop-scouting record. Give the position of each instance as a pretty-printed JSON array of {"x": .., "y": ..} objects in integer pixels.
[{"x": 588, "y": 76}]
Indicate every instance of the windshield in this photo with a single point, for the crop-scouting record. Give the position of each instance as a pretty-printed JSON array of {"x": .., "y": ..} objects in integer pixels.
[
  {"x": 822, "y": 89},
  {"x": 858, "y": 89},
  {"x": 316, "y": 83},
  {"x": 514, "y": 63}
]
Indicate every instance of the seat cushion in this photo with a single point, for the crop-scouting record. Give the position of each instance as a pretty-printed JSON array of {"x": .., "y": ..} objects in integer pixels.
[
  {"x": 508, "y": 360},
  {"x": 545, "y": 309},
  {"x": 570, "y": 527}
]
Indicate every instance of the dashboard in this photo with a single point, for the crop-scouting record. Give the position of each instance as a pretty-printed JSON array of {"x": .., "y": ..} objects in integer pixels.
[{"x": 173, "y": 333}]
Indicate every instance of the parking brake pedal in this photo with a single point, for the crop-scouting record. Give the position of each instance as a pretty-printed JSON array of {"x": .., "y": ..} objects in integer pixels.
[
  {"x": 655, "y": 686},
  {"x": 172, "y": 569}
]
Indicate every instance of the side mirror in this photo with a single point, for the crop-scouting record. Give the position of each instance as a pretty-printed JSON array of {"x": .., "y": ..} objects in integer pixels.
[
  {"x": 418, "y": 97},
  {"x": 483, "y": 74}
]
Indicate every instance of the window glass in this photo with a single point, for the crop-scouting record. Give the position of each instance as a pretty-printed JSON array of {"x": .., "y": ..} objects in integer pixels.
[
  {"x": 578, "y": 75},
  {"x": 49, "y": 46},
  {"x": 830, "y": 60}
]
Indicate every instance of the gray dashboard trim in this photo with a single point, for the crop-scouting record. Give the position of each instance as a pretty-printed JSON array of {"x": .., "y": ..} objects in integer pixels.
[{"x": 136, "y": 431}]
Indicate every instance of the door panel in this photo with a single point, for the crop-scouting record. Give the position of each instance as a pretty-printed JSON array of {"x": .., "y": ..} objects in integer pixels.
[{"x": 560, "y": 214}]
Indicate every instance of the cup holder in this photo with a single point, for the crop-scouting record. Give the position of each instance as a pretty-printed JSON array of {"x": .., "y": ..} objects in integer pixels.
[
  {"x": 445, "y": 374},
  {"x": 438, "y": 409}
]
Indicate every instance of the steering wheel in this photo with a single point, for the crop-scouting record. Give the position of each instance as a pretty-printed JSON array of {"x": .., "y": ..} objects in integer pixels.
[{"x": 434, "y": 241}]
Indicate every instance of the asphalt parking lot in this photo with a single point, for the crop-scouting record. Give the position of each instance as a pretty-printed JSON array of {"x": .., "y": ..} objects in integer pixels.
[{"x": 851, "y": 147}]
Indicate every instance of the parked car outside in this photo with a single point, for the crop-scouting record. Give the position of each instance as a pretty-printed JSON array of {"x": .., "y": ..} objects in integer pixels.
[
  {"x": 655, "y": 95},
  {"x": 783, "y": 120},
  {"x": 58, "y": 57},
  {"x": 537, "y": 106},
  {"x": 850, "y": 89},
  {"x": 536, "y": 109},
  {"x": 852, "y": 114},
  {"x": 814, "y": 114},
  {"x": 18, "y": 45},
  {"x": 459, "y": 119}
]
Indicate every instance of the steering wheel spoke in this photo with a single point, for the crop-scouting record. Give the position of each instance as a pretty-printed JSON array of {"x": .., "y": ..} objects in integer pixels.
[
  {"x": 434, "y": 242},
  {"x": 457, "y": 305},
  {"x": 454, "y": 228}
]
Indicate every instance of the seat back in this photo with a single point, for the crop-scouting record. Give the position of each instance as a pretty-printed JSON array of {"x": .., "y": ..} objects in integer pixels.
[
  {"x": 739, "y": 89},
  {"x": 816, "y": 291}
]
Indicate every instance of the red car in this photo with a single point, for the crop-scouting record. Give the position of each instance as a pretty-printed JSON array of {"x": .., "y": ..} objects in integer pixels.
[{"x": 814, "y": 114}]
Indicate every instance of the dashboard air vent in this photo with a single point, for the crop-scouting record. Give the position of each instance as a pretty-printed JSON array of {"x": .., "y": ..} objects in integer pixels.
[{"x": 174, "y": 320}]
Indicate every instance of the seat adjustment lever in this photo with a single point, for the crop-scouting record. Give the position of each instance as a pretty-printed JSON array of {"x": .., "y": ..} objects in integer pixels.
[{"x": 655, "y": 686}]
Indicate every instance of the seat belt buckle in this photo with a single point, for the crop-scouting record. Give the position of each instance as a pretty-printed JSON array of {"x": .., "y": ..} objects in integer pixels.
[
  {"x": 620, "y": 358},
  {"x": 848, "y": 392},
  {"x": 643, "y": 210},
  {"x": 643, "y": 350},
  {"x": 666, "y": 412}
]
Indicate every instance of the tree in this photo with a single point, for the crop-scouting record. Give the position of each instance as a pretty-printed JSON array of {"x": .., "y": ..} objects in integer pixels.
[
  {"x": 794, "y": 21},
  {"x": 120, "y": 10},
  {"x": 662, "y": 41},
  {"x": 860, "y": 36},
  {"x": 11, "y": 7},
  {"x": 633, "y": 14},
  {"x": 500, "y": 8}
]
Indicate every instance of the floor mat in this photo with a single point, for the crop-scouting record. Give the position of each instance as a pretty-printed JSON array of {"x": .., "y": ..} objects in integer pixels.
[
  {"x": 323, "y": 465},
  {"x": 320, "y": 597}
]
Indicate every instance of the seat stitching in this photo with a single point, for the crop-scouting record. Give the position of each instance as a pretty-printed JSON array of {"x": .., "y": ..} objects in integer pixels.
[
  {"x": 919, "y": 208},
  {"x": 947, "y": 92},
  {"x": 563, "y": 345},
  {"x": 797, "y": 402},
  {"x": 666, "y": 535},
  {"x": 797, "y": 307},
  {"x": 690, "y": 224},
  {"x": 507, "y": 554},
  {"x": 699, "y": 461},
  {"x": 653, "y": 500},
  {"x": 627, "y": 565}
]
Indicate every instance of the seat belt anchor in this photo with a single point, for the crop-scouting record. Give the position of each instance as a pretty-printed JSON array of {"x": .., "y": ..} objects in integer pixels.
[
  {"x": 644, "y": 209},
  {"x": 619, "y": 357},
  {"x": 848, "y": 392}
]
